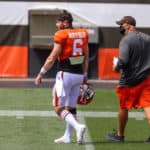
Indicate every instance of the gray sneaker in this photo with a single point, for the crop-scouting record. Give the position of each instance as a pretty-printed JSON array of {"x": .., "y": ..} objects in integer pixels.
[
  {"x": 114, "y": 137},
  {"x": 147, "y": 141}
]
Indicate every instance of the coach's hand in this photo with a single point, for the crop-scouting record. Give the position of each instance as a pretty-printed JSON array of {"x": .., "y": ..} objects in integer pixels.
[{"x": 38, "y": 79}]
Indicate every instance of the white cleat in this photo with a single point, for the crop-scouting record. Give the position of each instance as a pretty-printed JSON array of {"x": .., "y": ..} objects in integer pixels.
[
  {"x": 80, "y": 133},
  {"x": 62, "y": 140}
]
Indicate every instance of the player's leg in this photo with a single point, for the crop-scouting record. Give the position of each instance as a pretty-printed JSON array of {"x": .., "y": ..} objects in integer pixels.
[
  {"x": 57, "y": 104},
  {"x": 69, "y": 128},
  {"x": 68, "y": 131},
  {"x": 62, "y": 111},
  {"x": 147, "y": 114},
  {"x": 72, "y": 102},
  {"x": 71, "y": 107},
  {"x": 66, "y": 137},
  {"x": 69, "y": 118}
]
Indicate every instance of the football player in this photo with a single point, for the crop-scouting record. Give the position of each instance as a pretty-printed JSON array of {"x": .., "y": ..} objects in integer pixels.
[{"x": 71, "y": 51}]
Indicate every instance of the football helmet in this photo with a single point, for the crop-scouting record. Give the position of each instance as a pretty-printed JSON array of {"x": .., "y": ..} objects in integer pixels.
[{"x": 86, "y": 94}]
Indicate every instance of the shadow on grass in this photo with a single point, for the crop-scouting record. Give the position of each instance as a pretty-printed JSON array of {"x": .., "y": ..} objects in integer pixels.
[{"x": 111, "y": 142}]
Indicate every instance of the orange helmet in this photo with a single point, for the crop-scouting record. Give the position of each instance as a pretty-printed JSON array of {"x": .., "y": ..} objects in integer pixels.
[{"x": 86, "y": 94}]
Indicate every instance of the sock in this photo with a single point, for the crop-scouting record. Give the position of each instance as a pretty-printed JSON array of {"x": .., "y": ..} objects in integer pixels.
[
  {"x": 69, "y": 118},
  {"x": 69, "y": 129}
]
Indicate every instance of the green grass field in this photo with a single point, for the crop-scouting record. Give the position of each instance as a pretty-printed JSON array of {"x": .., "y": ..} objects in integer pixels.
[{"x": 38, "y": 133}]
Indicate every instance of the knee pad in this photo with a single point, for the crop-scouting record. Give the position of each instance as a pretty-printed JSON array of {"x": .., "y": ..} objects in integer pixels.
[
  {"x": 62, "y": 112},
  {"x": 73, "y": 111}
]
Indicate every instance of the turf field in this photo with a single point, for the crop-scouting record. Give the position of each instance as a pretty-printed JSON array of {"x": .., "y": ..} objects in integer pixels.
[{"x": 27, "y": 122}]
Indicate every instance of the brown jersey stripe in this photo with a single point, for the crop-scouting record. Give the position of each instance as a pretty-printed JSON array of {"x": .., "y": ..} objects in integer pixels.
[
  {"x": 16, "y": 35},
  {"x": 109, "y": 37}
]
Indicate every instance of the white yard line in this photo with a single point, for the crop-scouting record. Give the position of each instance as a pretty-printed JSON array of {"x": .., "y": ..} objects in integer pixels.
[
  {"x": 87, "y": 138},
  {"x": 20, "y": 114},
  {"x": 35, "y": 113}
]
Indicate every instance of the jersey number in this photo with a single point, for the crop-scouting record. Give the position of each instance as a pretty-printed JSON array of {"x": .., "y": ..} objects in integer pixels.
[{"x": 77, "y": 50}]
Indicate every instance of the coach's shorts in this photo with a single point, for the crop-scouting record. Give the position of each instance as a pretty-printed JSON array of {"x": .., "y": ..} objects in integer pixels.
[{"x": 134, "y": 97}]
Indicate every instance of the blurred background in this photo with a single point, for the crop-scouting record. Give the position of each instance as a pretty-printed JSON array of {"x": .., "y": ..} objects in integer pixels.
[{"x": 27, "y": 28}]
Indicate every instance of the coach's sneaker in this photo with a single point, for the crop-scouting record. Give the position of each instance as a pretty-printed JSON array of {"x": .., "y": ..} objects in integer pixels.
[
  {"x": 62, "y": 140},
  {"x": 80, "y": 133},
  {"x": 115, "y": 137},
  {"x": 147, "y": 141}
]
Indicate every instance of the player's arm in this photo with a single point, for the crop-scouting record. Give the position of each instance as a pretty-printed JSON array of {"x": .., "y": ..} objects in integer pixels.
[
  {"x": 86, "y": 63},
  {"x": 52, "y": 57},
  {"x": 49, "y": 62}
]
